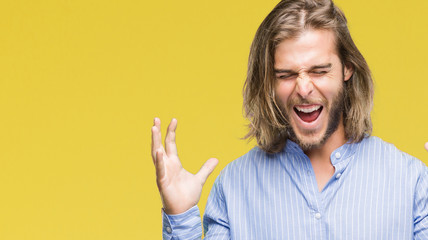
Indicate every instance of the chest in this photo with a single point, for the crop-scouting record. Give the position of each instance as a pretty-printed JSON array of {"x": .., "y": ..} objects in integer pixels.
[{"x": 353, "y": 205}]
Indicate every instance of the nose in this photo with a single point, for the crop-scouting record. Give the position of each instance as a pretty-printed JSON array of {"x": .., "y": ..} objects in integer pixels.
[{"x": 304, "y": 85}]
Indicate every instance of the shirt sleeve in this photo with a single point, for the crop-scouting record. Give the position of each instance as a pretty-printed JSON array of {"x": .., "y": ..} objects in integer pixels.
[
  {"x": 186, "y": 226},
  {"x": 216, "y": 220},
  {"x": 420, "y": 208}
]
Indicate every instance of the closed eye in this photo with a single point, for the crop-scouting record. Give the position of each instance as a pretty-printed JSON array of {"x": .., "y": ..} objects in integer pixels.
[
  {"x": 319, "y": 72},
  {"x": 286, "y": 76}
]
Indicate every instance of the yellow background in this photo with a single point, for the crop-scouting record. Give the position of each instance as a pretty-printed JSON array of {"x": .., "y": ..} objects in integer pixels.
[{"x": 81, "y": 81}]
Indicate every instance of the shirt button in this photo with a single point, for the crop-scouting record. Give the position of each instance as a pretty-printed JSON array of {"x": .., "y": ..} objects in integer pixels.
[
  {"x": 317, "y": 215},
  {"x": 338, "y": 175},
  {"x": 168, "y": 230},
  {"x": 337, "y": 155}
]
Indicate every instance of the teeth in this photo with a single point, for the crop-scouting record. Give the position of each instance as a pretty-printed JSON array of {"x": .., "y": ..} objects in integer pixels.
[{"x": 308, "y": 110}]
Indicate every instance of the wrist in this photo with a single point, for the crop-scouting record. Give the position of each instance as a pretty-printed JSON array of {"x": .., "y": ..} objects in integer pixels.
[{"x": 176, "y": 211}]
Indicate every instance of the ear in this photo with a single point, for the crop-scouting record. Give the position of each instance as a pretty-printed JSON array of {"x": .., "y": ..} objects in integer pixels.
[{"x": 348, "y": 70}]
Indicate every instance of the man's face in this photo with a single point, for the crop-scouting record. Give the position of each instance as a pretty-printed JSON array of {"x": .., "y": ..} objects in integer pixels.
[{"x": 309, "y": 86}]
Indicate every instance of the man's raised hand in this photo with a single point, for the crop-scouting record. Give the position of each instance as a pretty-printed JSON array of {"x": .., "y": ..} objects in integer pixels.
[
  {"x": 426, "y": 146},
  {"x": 179, "y": 189}
]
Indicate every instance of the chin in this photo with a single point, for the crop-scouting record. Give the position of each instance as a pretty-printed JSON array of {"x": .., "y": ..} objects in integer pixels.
[
  {"x": 309, "y": 139},
  {"x": 310, "y": 142}
]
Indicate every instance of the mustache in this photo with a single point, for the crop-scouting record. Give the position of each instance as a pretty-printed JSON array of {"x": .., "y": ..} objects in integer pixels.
[{"x": 304, "y": 101}]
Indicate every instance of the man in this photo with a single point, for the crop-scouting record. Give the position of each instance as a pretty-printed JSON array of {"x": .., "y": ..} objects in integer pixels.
[{"x": 316, "y": 173}]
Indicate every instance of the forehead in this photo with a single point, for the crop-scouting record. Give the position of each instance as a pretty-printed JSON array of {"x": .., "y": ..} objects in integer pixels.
[{"x": 312, "y": 47}]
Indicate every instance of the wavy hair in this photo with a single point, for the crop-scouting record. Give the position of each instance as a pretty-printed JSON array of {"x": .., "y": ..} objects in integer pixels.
[{"x": 287, "y": 20}]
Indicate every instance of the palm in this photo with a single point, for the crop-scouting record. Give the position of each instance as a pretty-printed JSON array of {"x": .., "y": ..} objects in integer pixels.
[{"x": 179, "y": 189}]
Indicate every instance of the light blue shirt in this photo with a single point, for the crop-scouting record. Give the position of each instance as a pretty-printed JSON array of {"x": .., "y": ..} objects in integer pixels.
[{"x": 377, "y": 192}]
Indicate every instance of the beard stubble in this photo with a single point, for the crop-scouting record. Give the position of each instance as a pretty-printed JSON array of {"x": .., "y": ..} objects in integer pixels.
[{"x": 334, "y": 119}]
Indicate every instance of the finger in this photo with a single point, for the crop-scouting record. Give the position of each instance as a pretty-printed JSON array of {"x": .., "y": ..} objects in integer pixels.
[
  {"x": 156, "y": 137},
  {"x": 170, "y": 145},
  {"x": 426, "y": 146},
  {"x": 160, "y": 166},
  {"x": 207, "y": 169}
]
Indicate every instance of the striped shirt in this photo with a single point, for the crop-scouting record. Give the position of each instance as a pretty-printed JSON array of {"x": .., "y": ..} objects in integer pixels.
[{"x": 377, "y": 192}]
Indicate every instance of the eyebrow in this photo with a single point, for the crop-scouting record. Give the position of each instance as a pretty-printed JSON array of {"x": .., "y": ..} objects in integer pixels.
[{"x": 327, "y": 65}]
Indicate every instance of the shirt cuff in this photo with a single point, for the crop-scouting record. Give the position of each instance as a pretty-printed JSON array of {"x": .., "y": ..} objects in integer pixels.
[{"x": 185, "y": 225}]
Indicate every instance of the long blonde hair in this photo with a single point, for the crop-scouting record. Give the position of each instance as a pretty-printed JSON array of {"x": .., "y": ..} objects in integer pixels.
[{"x": 288, "y": 19}]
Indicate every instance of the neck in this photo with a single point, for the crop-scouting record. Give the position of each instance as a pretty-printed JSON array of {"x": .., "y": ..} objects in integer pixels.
[{"x": 323, "y": 152}]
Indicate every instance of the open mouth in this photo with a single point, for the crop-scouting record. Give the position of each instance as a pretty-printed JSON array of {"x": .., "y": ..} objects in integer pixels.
[{"x": 308, "y": 113}]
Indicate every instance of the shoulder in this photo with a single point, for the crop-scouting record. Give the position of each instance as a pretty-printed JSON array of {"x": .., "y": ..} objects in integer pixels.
[
  {"x": 248, "y": 159},
  {"x": 376, "y": 147},
  {"x": 379, "y": 152},
  {"x": 251, "y": 163}
]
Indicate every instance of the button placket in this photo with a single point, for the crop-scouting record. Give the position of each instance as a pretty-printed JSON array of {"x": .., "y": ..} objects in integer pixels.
[{"x": 337, "y": 155}]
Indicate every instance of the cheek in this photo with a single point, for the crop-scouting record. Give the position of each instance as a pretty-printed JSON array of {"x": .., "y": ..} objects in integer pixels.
[
  {"x": 329, "y": 87},
  {"x": 283, "y": 90}
]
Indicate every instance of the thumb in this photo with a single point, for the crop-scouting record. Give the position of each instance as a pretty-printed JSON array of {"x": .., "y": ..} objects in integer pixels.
[
  {"x": 207, "y": 169},
  {"x": 426, "y": 146}
]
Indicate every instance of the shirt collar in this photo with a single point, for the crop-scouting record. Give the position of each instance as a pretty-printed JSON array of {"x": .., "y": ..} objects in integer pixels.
[{"x": 343, "y": 152}]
